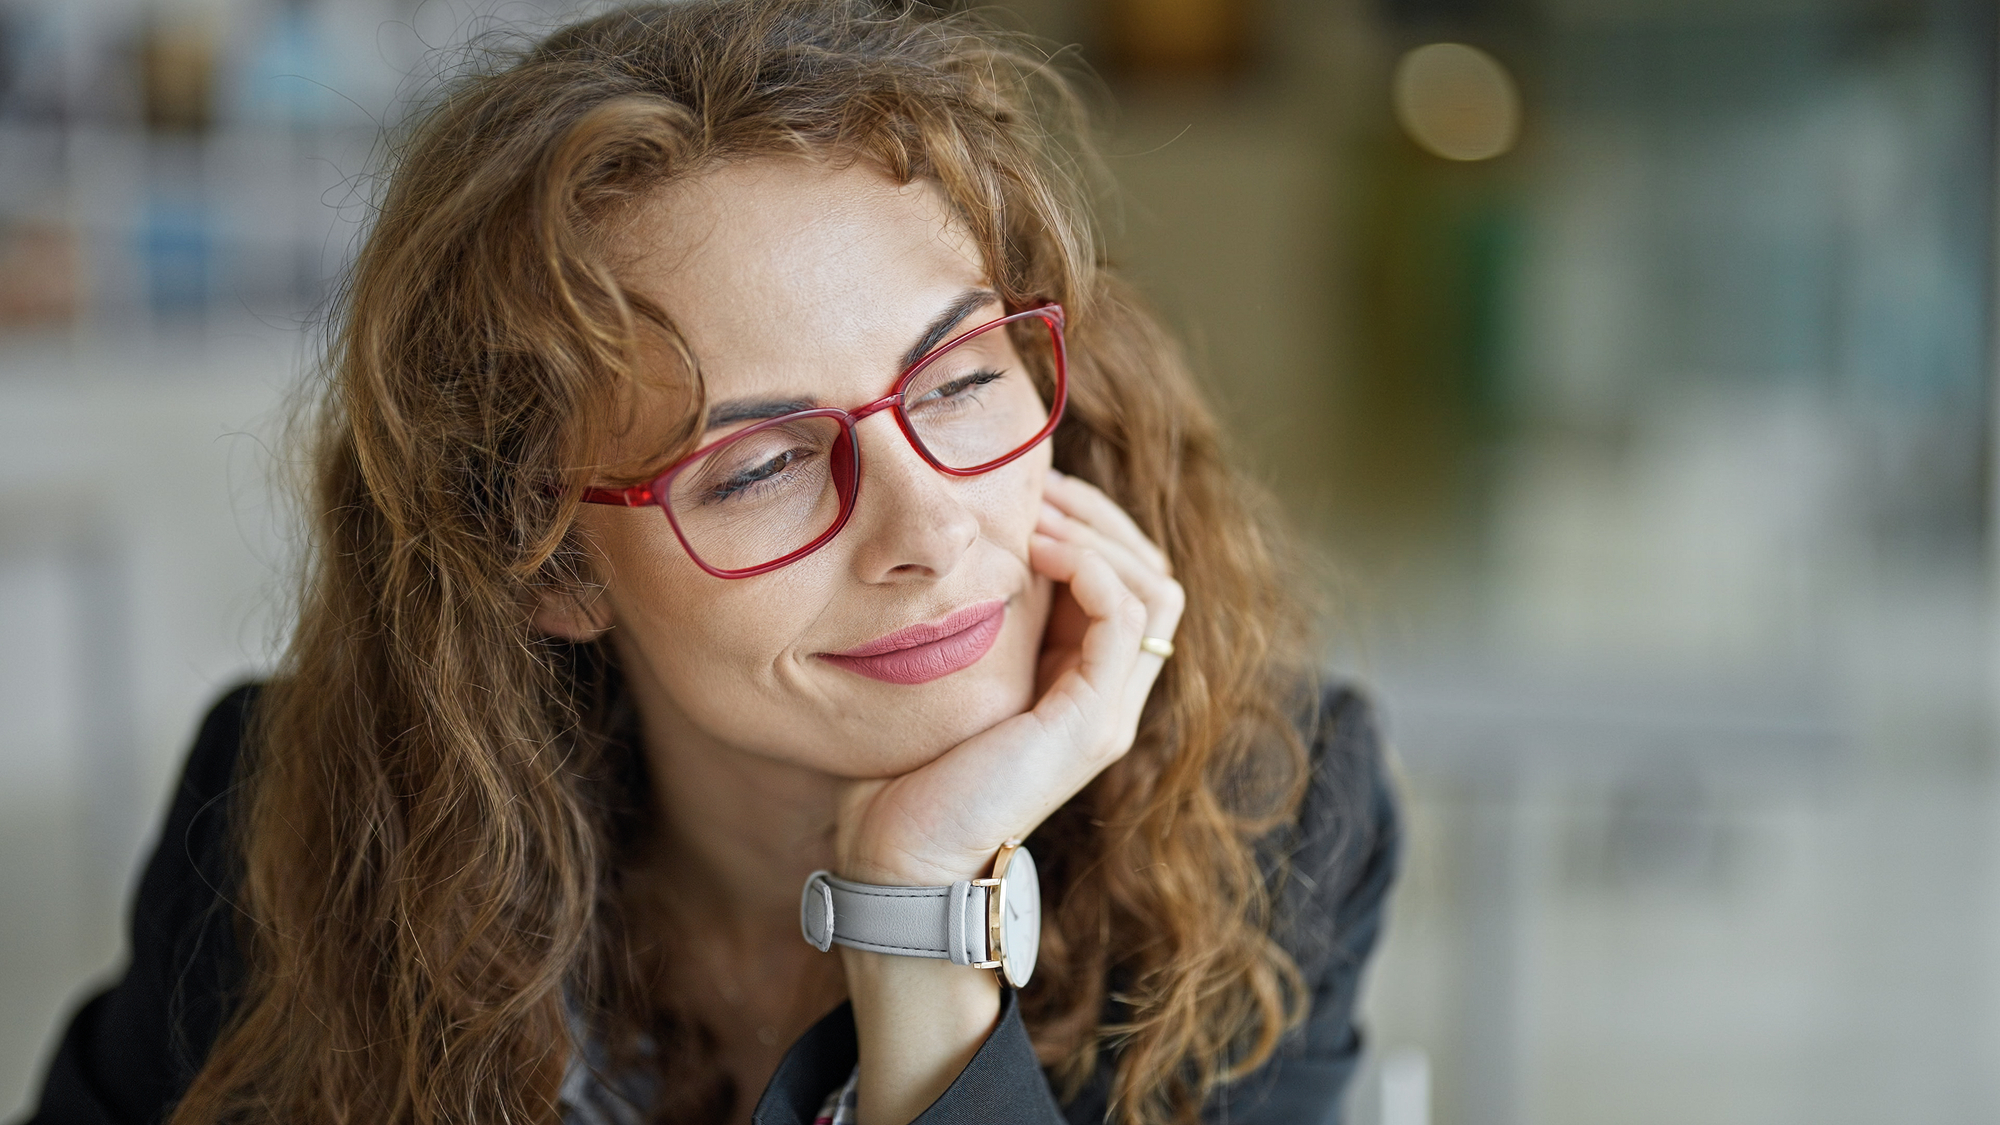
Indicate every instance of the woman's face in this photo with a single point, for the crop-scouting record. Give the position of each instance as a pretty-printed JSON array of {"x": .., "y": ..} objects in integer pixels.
[{"x": 792, "y": 281}]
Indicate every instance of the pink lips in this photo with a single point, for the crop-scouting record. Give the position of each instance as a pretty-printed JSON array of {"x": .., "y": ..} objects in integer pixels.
[{"x": 922, "y": 653}]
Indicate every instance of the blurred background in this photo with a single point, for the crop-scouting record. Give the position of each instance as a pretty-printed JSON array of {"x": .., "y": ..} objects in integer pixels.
[{"x": 1631, "y": 361}]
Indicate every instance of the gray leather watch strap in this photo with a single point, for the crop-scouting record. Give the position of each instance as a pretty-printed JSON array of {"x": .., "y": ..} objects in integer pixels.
[{"x": 945, "y": 922}]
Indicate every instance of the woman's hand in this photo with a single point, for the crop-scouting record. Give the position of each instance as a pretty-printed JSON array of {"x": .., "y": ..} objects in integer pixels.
[
  {"x": 919, "y": 1020},
  {"x": 944, "y": 821}
]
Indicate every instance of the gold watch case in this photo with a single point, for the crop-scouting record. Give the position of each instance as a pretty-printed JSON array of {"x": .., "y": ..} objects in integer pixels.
[{"x": 1013, "y": 914}]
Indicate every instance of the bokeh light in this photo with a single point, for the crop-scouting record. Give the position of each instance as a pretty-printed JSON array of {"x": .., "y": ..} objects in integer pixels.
[{"x": 1456, "y": 101}]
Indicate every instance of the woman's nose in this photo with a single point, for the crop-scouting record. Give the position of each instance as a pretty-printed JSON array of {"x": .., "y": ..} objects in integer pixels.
[{"x": 909, "y": 521}]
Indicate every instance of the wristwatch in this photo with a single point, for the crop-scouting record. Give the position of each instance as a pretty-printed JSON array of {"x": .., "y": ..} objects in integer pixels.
[{"x": 992, "y": 923}]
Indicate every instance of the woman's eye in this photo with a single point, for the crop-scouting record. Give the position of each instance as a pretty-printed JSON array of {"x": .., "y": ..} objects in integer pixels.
[
  {"x": 961, "y": 385},
  {"x": 758, "y": 474}
]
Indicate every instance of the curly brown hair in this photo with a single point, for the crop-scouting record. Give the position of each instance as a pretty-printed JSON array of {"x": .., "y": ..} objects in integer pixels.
[{"x": 438, "y": 800}]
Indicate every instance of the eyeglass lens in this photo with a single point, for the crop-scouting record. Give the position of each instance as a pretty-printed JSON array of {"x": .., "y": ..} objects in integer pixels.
[{"x": 778, "y": 486}]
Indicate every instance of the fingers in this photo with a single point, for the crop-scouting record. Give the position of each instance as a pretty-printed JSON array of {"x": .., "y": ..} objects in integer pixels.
[
  {"x": 1117, "y": 617},
  {"x": 1118, "y": 620},
  {"x": 1081, "y": 500},
  {"x": 1093, "y": 521},
  {"x": 1095, "y": 690},
  {"x": 1163, "y": 596},
  {"x": 1090, "y": 543}
]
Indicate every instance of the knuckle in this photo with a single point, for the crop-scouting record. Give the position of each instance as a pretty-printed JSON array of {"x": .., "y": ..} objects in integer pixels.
[
  {"x": 1161, "y": 590},
  {"x": 1109, "y": 751}
]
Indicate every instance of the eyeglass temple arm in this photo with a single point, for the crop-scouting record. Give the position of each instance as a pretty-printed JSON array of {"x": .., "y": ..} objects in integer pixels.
[{"x": 637, "y": 496}]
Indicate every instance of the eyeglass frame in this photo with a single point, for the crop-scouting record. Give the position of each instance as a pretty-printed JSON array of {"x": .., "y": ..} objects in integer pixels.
[{"x": 657, "y": 491}]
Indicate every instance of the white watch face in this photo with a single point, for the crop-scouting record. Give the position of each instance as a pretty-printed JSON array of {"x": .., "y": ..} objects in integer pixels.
[{"x": 1020, "y": 918}]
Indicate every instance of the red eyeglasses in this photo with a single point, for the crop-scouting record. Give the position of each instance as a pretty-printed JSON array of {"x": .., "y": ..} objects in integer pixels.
[{"x": 777, "y": 490}]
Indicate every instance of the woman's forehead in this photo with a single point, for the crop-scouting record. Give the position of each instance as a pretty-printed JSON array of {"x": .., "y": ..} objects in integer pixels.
[{"x": 783, "y": 268}]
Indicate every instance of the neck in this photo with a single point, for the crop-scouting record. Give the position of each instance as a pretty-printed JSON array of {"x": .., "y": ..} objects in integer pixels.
[{"x": 739, "y": 831}]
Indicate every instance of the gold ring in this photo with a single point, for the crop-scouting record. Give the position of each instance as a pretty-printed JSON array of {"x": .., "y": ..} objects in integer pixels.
[{"x": 1157, "y": 646}]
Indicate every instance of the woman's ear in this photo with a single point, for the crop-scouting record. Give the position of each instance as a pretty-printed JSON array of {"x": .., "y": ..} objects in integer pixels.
[{"x": 572, "y": 614}]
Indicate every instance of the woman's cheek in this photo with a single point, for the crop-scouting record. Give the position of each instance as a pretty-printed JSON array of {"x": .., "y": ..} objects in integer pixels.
[{"x": 1009, "y": 499}]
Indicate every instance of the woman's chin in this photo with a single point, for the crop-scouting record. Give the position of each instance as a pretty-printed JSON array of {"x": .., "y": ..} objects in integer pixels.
[{"x": 897, "y": 740}]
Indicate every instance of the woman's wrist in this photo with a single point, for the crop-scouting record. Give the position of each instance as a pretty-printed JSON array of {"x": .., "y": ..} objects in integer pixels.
[
  {"x": 919, "y": 1021},
  {"x": 906, "y": 870},
  {"x": 936, "y": 855}
]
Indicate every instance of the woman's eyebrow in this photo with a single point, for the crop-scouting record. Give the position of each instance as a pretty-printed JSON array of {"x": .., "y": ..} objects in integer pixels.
[
  {"x": 961, "y": 307},
  {"x": 757, "y": 409},
  {"x": 752, "y": 410}
]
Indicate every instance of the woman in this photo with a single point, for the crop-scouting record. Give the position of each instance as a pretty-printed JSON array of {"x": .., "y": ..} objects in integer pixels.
[{"x": 739, "y": 474}]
